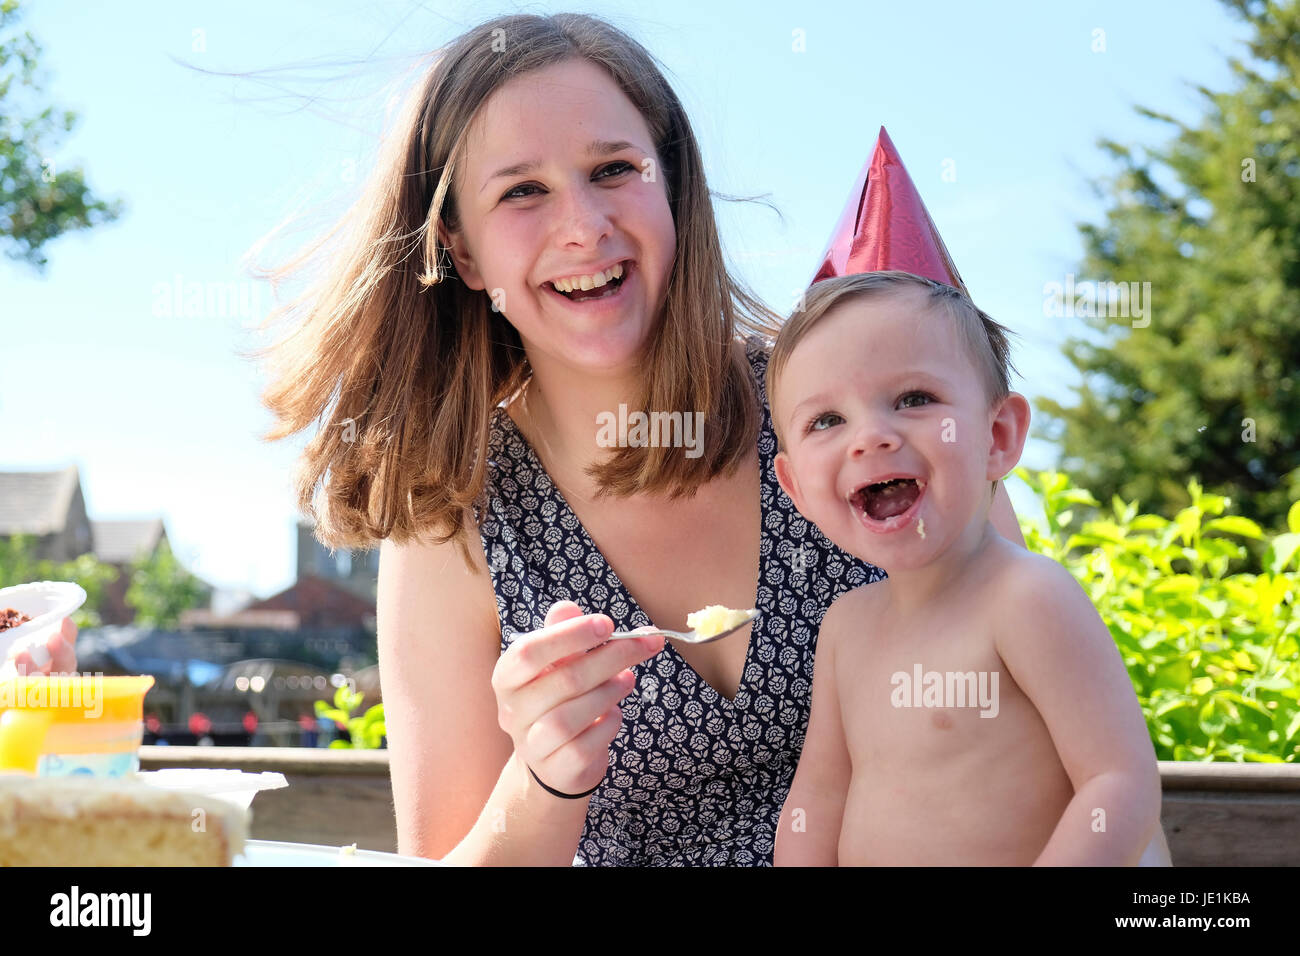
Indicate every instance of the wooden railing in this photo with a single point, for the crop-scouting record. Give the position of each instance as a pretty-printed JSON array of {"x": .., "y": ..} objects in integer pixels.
[{"x": 1216, "y": 814}]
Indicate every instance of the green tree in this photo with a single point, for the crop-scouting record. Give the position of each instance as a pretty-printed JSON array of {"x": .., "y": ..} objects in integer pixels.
[
  {"x": 161, "y": 588},
  {"x": 1207, "y": 384},
  {"x": 38, "y": 200},
  {"x": 19, "y": 564}
]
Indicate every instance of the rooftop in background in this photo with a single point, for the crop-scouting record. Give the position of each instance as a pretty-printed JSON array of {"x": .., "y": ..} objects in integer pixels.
[{"x": 37, "y": 502}]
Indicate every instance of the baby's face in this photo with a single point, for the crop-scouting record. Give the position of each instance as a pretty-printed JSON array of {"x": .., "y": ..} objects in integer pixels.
[{"x": 883, "y": 389}]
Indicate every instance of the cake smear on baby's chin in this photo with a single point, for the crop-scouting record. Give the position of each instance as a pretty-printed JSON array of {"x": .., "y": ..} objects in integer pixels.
[{"x": 920, "y": 527}]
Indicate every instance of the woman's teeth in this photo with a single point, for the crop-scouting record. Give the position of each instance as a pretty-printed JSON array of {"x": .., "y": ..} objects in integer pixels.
[{"x": 585, "y": 283}]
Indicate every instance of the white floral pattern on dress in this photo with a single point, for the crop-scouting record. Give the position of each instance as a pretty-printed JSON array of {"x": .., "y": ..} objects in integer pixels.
[{"x": 694, "y": 779}]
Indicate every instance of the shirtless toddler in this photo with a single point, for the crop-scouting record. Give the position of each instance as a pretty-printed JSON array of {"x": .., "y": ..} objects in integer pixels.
[{"x": 972, "y": 709}]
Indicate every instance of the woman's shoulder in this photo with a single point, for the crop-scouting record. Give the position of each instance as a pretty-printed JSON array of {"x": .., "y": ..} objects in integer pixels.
[{"x": 758, "y": 349}]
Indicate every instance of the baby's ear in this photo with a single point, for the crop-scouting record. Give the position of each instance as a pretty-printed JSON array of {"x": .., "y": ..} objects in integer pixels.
[
  {"x": 785, "y": 477},
  {"x": 1009, "y": 430},
  {"x": 460, "y": 254}
]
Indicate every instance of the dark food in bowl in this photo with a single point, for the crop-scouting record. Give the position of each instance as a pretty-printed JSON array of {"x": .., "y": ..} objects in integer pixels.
[{"x": 11, "y": 618}]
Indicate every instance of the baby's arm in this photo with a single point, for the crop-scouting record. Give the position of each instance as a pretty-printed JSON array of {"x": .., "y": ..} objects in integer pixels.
[
  {"x": 809, "y": 830},
  {"x": 1060, "y": 653}
]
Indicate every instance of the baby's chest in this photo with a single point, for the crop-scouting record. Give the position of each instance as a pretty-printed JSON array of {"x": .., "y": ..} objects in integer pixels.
[{"x": 935, "y": 693}]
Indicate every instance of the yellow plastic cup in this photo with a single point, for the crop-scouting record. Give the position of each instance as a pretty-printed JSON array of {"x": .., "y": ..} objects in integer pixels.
[{"x": 72, "y": 725}]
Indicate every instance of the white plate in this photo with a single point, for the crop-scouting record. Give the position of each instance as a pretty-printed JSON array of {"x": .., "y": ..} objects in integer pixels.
[
  {"x": 236, "y": 786},
  {"x": 46, "y": 602},
  {"x": 276, "y": 853}
]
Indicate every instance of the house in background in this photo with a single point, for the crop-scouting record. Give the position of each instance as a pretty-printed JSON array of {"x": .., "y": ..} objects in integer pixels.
[
  {"x": 355, "y": 571},
  {"x": 245, "y": 665},
  {"x": 308, "y": 603},
  {"x": 332, "y": 591},
  {"x": 49, "y": 506}
]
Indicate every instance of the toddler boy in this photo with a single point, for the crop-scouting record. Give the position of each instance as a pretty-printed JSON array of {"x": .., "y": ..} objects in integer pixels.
[{"x": 972, "y": 708}]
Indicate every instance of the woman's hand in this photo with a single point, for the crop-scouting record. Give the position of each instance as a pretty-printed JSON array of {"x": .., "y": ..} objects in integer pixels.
[
  {"x": 558, "y": 690},
  {"x": 58, "y": 655}
]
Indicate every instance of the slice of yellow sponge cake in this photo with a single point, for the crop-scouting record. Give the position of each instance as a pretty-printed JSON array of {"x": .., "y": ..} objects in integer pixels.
[{"x": 78, "y": 821}]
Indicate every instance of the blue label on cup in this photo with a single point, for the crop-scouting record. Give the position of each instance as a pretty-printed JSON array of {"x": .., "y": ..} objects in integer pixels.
[{"x": 88, "y": 765}]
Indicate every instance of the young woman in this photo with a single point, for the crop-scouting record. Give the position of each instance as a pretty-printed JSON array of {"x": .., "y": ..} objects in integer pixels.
[{"x": 536, "y": 249}]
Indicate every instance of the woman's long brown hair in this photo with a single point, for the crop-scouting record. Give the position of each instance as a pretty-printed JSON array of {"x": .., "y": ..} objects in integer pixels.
[{"x": 404, "y": 366}]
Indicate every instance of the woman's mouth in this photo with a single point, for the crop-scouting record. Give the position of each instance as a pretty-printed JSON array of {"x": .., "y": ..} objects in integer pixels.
[
  {"x": 887, "y": 506},
  {"x": 610, "y": 293}
]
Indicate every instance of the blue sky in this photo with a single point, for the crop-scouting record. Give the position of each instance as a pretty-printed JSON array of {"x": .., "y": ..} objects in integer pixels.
[{"x": 162, "y": 415}]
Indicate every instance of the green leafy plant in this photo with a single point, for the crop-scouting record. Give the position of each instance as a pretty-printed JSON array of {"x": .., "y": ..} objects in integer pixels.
[
  {"x": 1214, "y": 656},
  {"x": 366, "y": 730}
]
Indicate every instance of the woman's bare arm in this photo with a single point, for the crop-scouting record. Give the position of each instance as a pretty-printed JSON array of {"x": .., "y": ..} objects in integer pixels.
[{"x": 459, "y": 793}]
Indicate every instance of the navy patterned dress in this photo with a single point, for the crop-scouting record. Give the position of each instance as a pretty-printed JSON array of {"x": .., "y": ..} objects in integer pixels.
[{"x": 694, "y": 779}]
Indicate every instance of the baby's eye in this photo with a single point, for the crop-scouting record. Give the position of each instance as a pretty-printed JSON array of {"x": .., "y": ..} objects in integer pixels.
[
  {"x": 925, "y": 395},
  {"x": 614, "y": 167},
  {"x": 812, "y": 425}
]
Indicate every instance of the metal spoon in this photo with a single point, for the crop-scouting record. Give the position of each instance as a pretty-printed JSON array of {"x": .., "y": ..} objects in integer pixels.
[{"x": 691, "y": 636}]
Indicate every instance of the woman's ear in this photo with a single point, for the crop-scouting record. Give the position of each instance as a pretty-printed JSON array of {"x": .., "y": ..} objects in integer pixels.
[
  {"x": 460, "y": 255},
  {"x": 1010, "y": 428}
]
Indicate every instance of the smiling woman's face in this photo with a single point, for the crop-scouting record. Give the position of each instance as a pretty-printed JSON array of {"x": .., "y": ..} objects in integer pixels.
[{"x": 575, "y": 212}]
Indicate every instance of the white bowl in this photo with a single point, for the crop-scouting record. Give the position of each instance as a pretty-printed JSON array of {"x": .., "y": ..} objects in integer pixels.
[{"x": 47, "y": 603}]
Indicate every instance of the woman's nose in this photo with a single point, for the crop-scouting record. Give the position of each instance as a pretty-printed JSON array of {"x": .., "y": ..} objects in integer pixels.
[{"x": 584, "y": 215}]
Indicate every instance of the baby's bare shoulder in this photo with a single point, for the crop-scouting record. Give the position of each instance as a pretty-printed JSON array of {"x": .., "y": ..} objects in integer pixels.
[
  {"x": 1021, "y": 575},
  {"x": 1042, "y": 602},
  {"x": 856, "y": 605},
  {"x": 850, "y": 611}
]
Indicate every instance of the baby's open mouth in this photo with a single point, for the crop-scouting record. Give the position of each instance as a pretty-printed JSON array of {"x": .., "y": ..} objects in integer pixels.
[{"x": 885, "y": 499}]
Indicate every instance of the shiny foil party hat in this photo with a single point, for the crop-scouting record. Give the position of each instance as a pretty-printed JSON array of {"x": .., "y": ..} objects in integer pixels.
[{"x": 885, "y": 226}]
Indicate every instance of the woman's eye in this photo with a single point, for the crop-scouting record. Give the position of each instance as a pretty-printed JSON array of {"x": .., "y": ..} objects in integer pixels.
[
  {"x": 512, "y": 193},
  {"x": 924, "y": 395},
  {"x": 812, "y": 425},
  {"x": 617, "y": 168}
]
